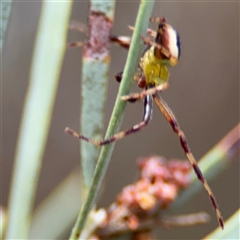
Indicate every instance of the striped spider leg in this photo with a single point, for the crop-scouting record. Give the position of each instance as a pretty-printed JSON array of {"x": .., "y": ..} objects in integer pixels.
[
  {"x": 170, "y": 117},
  {"x": 148, "y": 106},
  {"x": 77, "y": 27}
]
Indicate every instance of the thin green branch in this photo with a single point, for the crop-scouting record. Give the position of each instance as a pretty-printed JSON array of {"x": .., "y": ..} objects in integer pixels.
[
  {"x": 231, "y": 230},
  {"x": 117, "y": 115},
  {"x": 37, "y": 113},
  {"x": 6, "y": 7},
  {"x": 95, "y": 69}
]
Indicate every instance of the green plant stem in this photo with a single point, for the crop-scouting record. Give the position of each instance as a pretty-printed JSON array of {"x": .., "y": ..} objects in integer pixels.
[
  {"x": 117, "y": 115},
  {"x": 231, "y": 230},
  {"x": 95, "y": 69},
  {"x": 6, "y": 7},
  {"x": 46, "y": 65}
]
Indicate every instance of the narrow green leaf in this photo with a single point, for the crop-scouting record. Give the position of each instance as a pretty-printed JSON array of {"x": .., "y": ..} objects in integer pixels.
[
  {"x": 231, "y": 230},
  {"x": 94, "y": 84},
  {"x": 47, "y": 60},
  {"x": 5, "y": 14}
]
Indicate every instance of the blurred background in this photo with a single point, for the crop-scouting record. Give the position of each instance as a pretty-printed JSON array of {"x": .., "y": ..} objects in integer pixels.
[{"x": 203, "y": 94}]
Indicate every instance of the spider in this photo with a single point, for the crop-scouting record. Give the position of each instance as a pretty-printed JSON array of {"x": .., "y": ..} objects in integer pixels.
[{"x": 152, "y": 77}]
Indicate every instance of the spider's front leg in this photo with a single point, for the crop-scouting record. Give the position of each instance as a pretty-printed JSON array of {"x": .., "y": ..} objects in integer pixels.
[
  {"x": 144, "y": 93},
  {"x": 170, "y": 117},
  {"x": 148, "y": 105},
  {"x": 122, "y": 41},
  {"x": 139, "y": 77},
  {"x": 125, "y": 41},
  {"x": 77, "y": 26}
]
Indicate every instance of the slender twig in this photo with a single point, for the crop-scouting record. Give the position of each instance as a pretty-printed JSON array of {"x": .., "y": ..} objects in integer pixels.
[
  {"x": 95, "y": 68},
  {"x": 231, "y": 230},
  {"x": 37, "y": 113},
  {"x": 5, "y": 13},
  {"x": 117, "y": 115}
]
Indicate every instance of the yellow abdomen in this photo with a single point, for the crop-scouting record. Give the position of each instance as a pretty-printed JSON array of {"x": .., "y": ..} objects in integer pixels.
[{"x": 154, "y": 69}]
